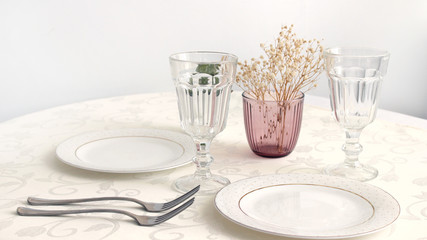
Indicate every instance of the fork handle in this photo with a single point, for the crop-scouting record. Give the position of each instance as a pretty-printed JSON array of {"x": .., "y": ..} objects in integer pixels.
[
  {"x": 24, "y": 211},
  {"x": 44, "y": 201}
]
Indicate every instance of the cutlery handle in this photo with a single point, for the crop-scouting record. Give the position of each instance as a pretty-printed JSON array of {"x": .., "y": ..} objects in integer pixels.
[
  {"x": 44, "y": 201},
  {"x": 23, "y": 211}
]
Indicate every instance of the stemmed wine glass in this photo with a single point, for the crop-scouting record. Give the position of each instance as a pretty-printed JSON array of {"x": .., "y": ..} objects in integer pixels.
[
  {"x": 203, "y": 82},
  {"x": 355, "y": 77}
]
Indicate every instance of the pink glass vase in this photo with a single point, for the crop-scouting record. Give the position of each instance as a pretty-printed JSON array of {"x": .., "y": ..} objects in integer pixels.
[{"x": 272, "y": 127}]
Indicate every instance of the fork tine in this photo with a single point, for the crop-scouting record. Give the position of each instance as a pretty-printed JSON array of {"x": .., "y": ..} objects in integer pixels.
[
  {"x": 174, "y": 212},
  {"x": 179, "y": 200}
]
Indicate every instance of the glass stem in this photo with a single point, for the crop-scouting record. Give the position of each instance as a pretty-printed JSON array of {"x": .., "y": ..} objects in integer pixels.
[
  {"x": 203, "y": 158},
  {"x": 352, "y": 148}
]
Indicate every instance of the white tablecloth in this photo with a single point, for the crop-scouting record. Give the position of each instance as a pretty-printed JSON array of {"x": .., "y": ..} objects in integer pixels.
[{"x": 28, "y": 167}]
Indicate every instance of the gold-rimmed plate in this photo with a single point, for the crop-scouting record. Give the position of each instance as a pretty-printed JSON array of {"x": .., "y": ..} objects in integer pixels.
[
  {"x": 308, "y": 206},
  {"x": 127, "y": 150}
]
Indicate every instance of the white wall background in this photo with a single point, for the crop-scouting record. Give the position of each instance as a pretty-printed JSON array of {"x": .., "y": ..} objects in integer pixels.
[{"x": 55, "y": 52}]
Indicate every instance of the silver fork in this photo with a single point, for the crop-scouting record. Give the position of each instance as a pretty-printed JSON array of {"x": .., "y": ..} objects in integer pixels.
[
  {"x": 141, "y": 220},
  {"x": 147, "y": 206}
]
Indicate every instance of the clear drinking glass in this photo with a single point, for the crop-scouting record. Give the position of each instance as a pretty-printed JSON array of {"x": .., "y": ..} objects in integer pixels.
[
  {"x": 355, "y": 76},
  {"x": 203, "y": 82}
]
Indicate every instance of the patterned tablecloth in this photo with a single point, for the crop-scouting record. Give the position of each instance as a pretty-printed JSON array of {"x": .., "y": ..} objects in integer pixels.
[{"x": 28, "y": 167}]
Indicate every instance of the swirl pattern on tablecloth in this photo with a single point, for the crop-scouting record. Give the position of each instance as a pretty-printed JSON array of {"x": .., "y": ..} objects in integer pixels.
[{"x": 28, "y": 167}]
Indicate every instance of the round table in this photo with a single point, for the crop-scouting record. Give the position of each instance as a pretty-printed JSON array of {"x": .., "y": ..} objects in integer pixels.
[{"x": 29, "y": 167}]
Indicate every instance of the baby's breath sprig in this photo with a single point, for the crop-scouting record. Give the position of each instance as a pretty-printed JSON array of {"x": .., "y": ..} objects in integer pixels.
[{"x": 288, "y": 66}]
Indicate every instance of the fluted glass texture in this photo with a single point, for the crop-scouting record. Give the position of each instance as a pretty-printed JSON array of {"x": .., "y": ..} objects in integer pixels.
[
  {"x": 272, "y": 128},
  {"x": 203, "y": 82},
  {"x": 203, "y": 96},
  {"x": 354, "y": 95},
  {"x": 355, "y": 78}
]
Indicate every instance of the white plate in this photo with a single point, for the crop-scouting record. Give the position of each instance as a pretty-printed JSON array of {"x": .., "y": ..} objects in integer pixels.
[
  {"x": 127, "y": 151},
  {"x": 309, "y": 206}
]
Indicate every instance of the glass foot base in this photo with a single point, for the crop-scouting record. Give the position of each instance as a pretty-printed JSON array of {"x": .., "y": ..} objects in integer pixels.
[
  {"x": 208, "y": 186},
  {"x": 358, "y": 171}
]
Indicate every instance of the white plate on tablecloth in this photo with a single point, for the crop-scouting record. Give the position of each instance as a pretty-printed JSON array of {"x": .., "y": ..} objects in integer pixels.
[
  {"x": 309, "y": 206},
  {"x": 127, "y": 150}
]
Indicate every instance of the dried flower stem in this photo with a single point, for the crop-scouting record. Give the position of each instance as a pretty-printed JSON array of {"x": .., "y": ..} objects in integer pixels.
[{"x": 288, "y": 66}]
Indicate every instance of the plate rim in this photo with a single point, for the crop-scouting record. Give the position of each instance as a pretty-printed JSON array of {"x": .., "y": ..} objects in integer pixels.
[
  {"x": 259, "y": 227},
  {"x": 66, "y": 150}
]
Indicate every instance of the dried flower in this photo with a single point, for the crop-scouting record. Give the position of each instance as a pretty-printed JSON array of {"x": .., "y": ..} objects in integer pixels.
[{"x": 288, "y": 66}]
